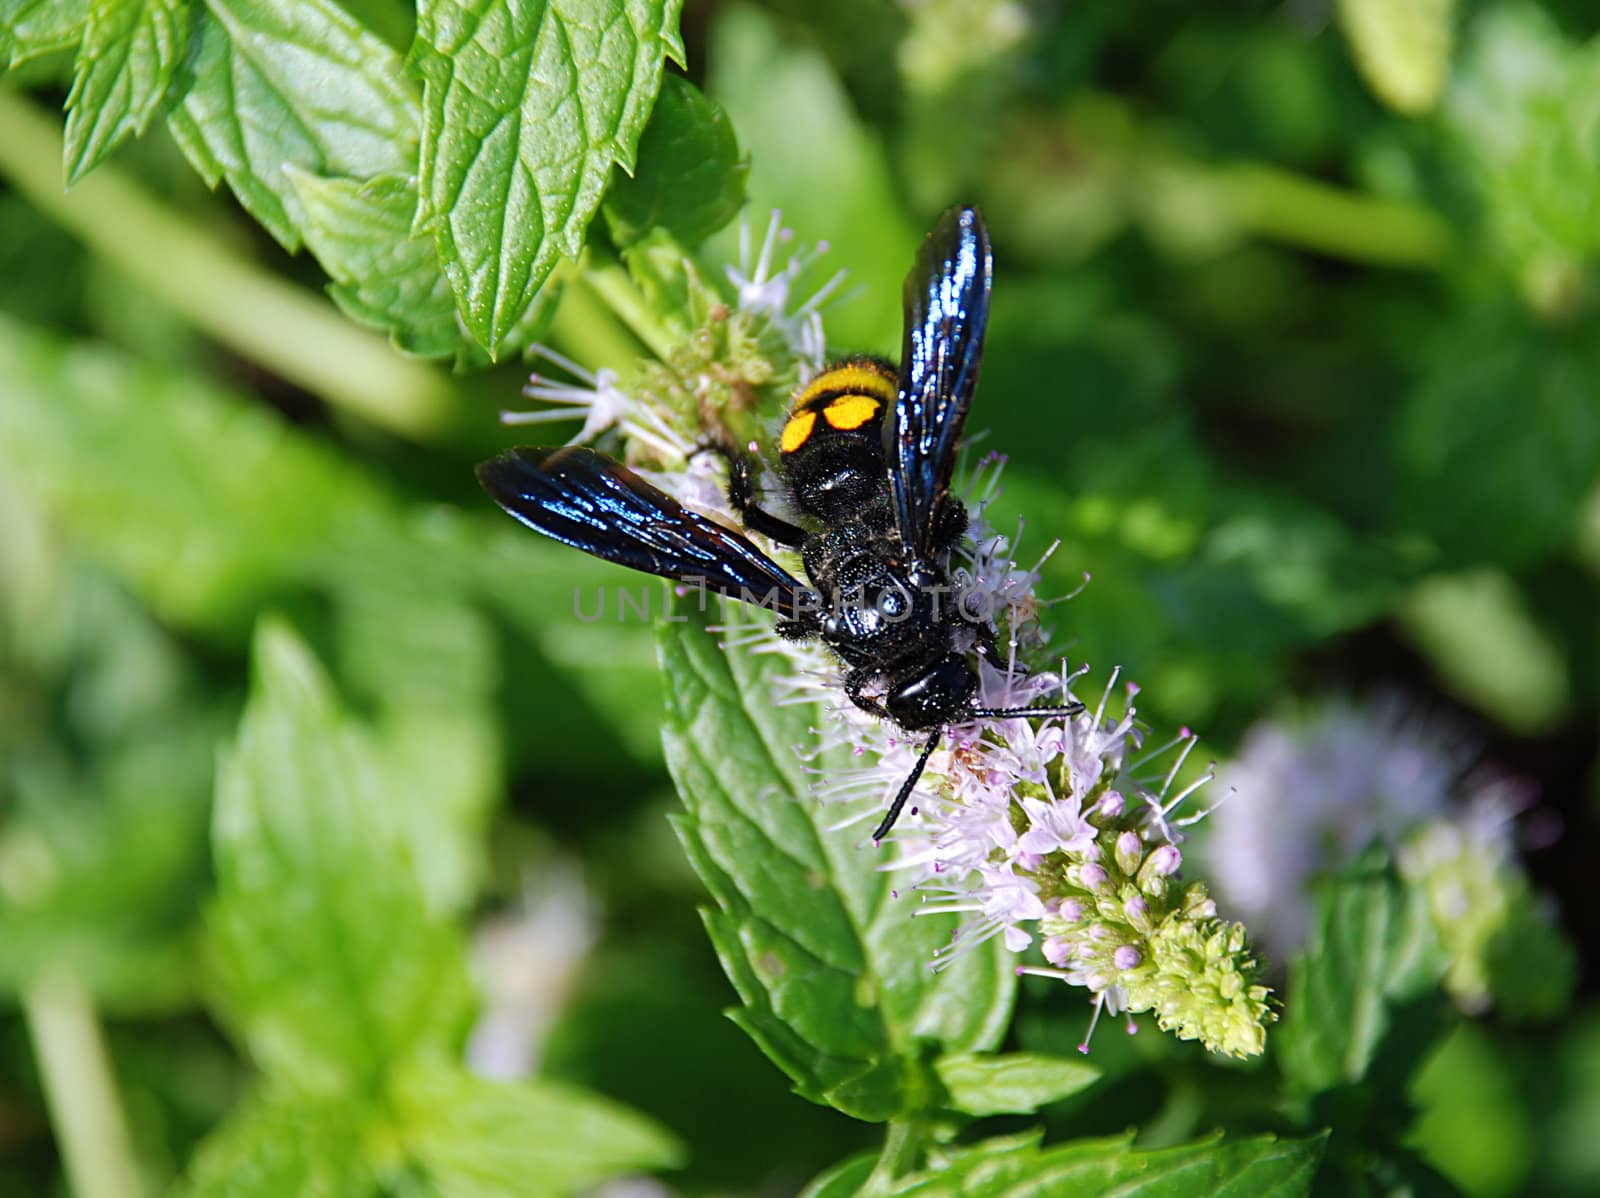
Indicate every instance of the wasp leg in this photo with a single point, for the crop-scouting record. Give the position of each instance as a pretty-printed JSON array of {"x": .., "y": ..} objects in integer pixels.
[
  {"x": 742, "y": 495},
  {"x": 800, "y": 625},
  {"x": 985, "y": 644},
  {"x": 949, "y": 525},
  {"x": 855, "y": 681}
]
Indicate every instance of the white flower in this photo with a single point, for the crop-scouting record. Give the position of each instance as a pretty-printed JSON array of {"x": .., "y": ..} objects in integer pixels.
[
  {"x": 595, "y": 398},
  {"x": 1055, "y": 827},
  {"x": 766, "y": 283},
  {"x": 602, "y": 405},
  {"x": 526, "y": 963},
  {"x": 989, "y": 584},
  {"x": 1304, "y": 796}
]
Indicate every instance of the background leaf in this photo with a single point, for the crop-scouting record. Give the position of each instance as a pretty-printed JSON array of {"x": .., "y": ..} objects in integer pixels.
[
  {"x": 1403, "y": 49},
  {"x": 274, "y": 1146},
  {"x": 844, "y": 1180},
  {"x": 1013, "y": 1083},
  {"x": 109, "y": 807},
  {"x": 525, "y": 110},
  {"x": 781, "y": 92},
  {"x": 1488, "y": 480},
  {"x": 1373, "y": 950},
  {"x": 280, "y": 83},
  {"x": 131, "y": 51},
  {"x": 199, "y": 500},
  {"x": 474, "y": 1138},
  {"x": 428, "y": 670},
  {"x": 1259, "y": 1167},
  {"x": 1519, "y": 114},
  {"x": 834, "y": 974},
  {"x": 384, "y": 275},
  {"x": 31, "y": 28},
  {"x": 330, "y": 963},
  {"x": 689, "y": 179}
]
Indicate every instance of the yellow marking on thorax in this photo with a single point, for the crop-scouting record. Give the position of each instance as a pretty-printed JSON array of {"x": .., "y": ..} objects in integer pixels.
[
  {"x": 851, "y": 411},
  {"x": 797, "y": 431},
  {"x": 864, "y": 378}
]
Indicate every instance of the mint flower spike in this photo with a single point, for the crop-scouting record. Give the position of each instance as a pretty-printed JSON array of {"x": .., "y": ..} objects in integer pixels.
[
  {"x": 766, "y": 285},
  {"x": 1311, "y": 791},
  {"x": 1050, "y": 833},
  {"x": 745, "y": 347},
  {"x": 1308, "y": 791}
]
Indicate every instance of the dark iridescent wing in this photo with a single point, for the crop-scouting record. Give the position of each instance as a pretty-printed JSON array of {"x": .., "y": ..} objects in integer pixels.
[
  {"x": 946, "y": 311},
  {"x": 586, "y": 500}
]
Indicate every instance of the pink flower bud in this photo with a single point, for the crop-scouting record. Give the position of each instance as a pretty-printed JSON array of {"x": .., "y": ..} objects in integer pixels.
[
  {"x": 1057, "y": 950},
  {"x": 1129, "y": 850},
  {"x": 1165, "y": 860}
]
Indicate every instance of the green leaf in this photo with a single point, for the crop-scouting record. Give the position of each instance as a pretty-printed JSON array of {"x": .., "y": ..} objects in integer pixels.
[
  {"x": 131, "y": 49},
  {"x": 1258, "y": 1167},
  {"x": 540, "y": 589},
  {"x": 475, "y": 1138},
  {"x": 526, "y": 107},
  {"x": 275, "y": 1146},
  {"x": 199, "y": 500},
  {"x": 428, "y": 664},
  {"x": 1485, "y": 646},
  {"x": 281, "y": 83},
  {"x": 31, "y": 28},
  {"x": 1499, "y": 446},
  {"x": 1306, "y": 572},
  {"x": 1402, "y": 48},
  {"x": 844, "y": 1180},
  {"x": 689, "y": 179},
  {"x": 117, "y": 856},
  {"x": 1532, "y": 966},
  {"x": 328, "y": 960},
  {"x": 1472, "y": 1123},
  {"x": 1373, "y": 949},
  {"x": 1519, "y": 109},
  {"x": 384, "y": 274},
  {"x": 832, "y": 972},
  {"x": 780, "y": 91},
  {"x": 106, "y": 758},
  {"x": 1016, "y": 1083}
]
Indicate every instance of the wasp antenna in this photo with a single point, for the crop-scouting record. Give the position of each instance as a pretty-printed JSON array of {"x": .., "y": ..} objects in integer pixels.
[
  {"x": 1011, "y": 713},
  {"x": 906, "y": 788}
]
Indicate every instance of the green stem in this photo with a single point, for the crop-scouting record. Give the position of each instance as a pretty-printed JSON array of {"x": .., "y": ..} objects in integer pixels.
[
  {"x": 902, "y": 1150},
  {"x": 587, "y": 330},
  {"x": 298, "y": 336},
  {"x": 1177, "y": 191},
  {"x": 91, "y": 1134},
  {"x": 611, "y": 283},
  {"x": 1343, "y": 224}
]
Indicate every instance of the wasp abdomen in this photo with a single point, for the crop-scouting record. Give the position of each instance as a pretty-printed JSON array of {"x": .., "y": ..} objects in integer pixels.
[{"x": 831, "y": 445}]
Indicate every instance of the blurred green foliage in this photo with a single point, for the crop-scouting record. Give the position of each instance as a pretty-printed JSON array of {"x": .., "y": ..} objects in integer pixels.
[{"x": 1295, "y": 336}]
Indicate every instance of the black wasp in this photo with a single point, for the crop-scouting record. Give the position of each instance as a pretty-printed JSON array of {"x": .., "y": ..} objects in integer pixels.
[{"x": 867, "y": 455}]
